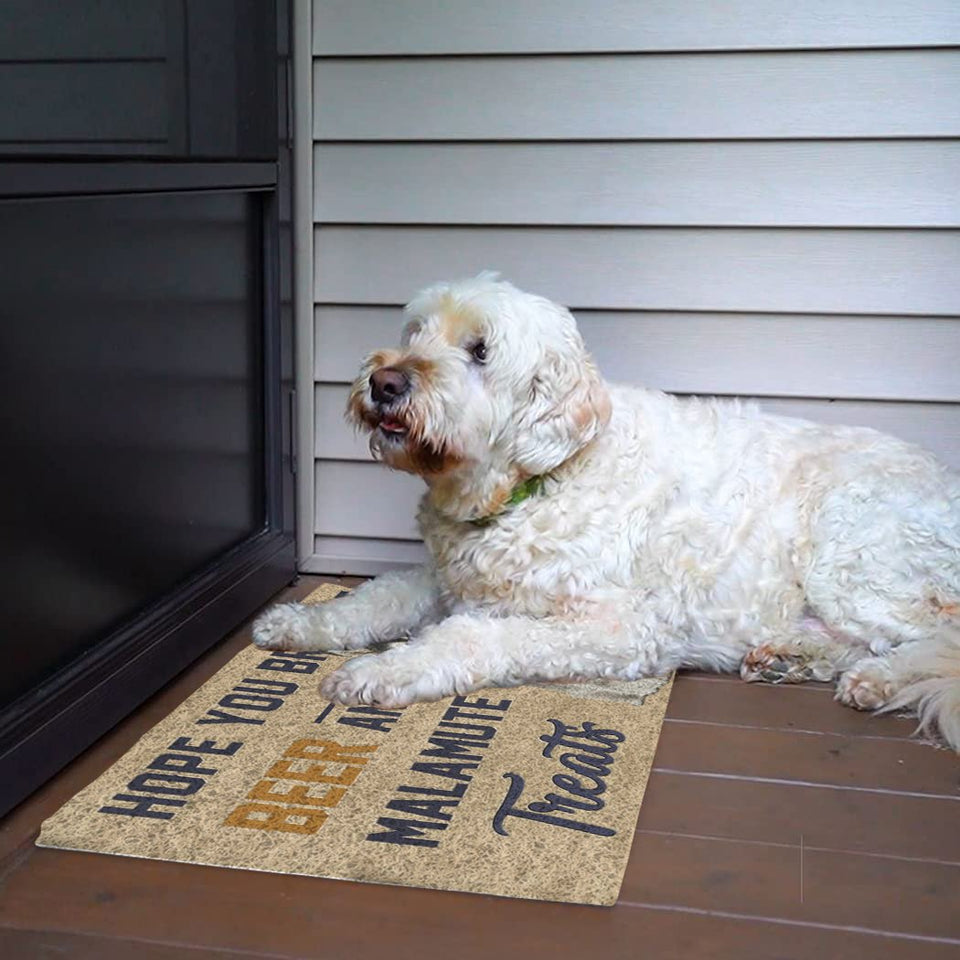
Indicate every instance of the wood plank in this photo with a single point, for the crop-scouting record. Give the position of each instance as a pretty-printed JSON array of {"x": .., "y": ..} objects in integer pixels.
[
  {"x": 89, "y": 101},
  {"x": 895, "y": 93},
  {"x": 843, "y": 889},
  {"x": 894, "y": 272},
  {"x": 158, "y": 902},
  {"x": 367, "y": 27},
  {"x": 768, "y": 355},
  {"x": 905, "y": 766},
  {"x": 731, "y": 679},
  {"x": 798, "y": 183},
  {"x": 24, "y": 944},
  {"x": 791, "y": 707},
  {"x": 887, "y": 824}
]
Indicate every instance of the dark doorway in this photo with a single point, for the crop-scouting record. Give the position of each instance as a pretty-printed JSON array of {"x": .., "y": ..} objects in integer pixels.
[{"x": 144, "y": 353}]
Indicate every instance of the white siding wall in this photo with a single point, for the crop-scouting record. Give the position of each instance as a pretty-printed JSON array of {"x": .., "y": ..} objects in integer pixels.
[{"x": 737, "y": 197}]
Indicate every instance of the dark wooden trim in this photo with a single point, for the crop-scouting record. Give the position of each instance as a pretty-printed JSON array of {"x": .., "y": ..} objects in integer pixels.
[{"x": 52, "y": 724}]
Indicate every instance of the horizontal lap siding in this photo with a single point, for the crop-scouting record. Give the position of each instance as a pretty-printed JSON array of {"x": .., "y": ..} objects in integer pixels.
[
  {"x": 897, "y": 93},
  {"x": 724, "y": 354},
  {"x": 777, "y": 218},
  {"x": 364, "y": 500},
  {"x": 770, "y": 270},
  {"x": 800, "y": 184},
  {"x": 371, "y": 556},
  {"x": 717, "y": 353},
  {"x": 371, "y": 27}
]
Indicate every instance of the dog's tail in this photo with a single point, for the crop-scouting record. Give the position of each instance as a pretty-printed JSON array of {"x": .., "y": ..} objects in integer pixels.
[{"x": 934, "y": 694}]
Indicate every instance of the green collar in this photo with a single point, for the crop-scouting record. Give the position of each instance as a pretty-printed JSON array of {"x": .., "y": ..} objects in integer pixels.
[{"x": 522, "y": 491}]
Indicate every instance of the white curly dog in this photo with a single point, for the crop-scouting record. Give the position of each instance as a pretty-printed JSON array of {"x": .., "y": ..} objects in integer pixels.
[{"x": 581, "y": 530}]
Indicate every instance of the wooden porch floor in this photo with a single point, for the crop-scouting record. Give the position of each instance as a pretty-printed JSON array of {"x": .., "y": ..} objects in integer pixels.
[{"x": 777, "y": 824}]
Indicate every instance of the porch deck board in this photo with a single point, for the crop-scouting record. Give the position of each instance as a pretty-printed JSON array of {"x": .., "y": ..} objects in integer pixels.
[{"x": 749, "y": 781}]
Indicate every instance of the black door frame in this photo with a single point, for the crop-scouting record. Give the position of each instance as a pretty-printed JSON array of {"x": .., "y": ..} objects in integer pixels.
[{"x": 49, "y": 726}]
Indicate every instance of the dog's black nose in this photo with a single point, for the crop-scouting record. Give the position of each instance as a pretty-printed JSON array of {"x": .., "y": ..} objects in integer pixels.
[{"x": 387, "y": 384}]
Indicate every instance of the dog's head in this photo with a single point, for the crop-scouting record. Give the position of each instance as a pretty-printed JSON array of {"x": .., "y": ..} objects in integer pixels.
[{"x": 486, "y": 376}]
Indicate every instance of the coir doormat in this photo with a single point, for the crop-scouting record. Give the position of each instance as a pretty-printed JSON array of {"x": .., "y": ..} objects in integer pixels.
[{"x": 523, "y": 792}]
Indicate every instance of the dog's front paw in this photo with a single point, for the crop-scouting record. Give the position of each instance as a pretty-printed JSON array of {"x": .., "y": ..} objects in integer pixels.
[
  {"x": 296, "y": 626},
  {"x": 384, "y": 681}
]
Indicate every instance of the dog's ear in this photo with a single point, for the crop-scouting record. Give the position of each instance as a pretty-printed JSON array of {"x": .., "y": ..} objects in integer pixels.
[{"x": 568, "y": 407}]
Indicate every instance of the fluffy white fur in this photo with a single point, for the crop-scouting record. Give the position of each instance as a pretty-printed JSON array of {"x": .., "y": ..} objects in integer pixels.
[{"x": 669, "y": 533}]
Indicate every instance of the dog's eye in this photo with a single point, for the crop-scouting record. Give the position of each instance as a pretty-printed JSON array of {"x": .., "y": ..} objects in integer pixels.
[{"x": 479, "y": 352}]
